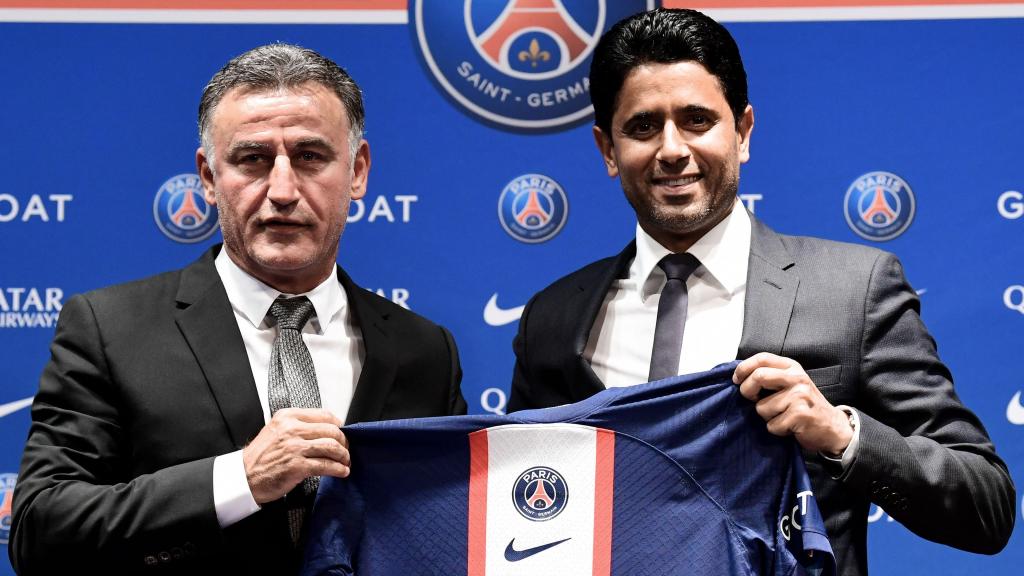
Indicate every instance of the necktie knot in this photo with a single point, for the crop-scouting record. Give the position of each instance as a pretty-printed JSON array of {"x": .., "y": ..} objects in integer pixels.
[
  {"x": 291, "y": 313},
  {"x": 679, "y": 266}
]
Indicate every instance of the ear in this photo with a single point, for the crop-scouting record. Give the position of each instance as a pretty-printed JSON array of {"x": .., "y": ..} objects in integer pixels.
[
  {"x": 360, "y": 171},
  {"x": 607, "y": 149},
  {"x": 206, "y": 176},
  {"x": 744, "y": 129}
]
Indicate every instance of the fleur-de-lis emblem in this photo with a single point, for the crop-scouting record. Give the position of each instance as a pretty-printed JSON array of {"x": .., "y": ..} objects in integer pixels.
[{"x": 535, "y": 54}]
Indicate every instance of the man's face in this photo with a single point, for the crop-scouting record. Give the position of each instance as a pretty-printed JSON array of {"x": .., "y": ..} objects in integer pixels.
[
  {"x": 282, "y": 179},
  {"x": 677, "y": 150}
]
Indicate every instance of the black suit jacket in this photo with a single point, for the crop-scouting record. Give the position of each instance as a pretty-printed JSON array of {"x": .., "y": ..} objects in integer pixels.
[
  {"x": 848, "y": 315},
  {"x": 148, "y": 383}
]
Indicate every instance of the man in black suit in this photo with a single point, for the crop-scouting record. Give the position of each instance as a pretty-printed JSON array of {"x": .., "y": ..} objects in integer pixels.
[
  {"x": 833, "y": 349},
  {"x": 157, "y": 443}
]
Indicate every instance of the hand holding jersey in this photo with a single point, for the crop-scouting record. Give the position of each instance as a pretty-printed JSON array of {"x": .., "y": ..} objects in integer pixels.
[{"x": 791, "y": 403}]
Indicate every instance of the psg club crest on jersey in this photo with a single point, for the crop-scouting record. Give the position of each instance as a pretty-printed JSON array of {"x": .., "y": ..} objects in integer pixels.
[
  {"x": 517, "y": 63},
  {"x": 181, "y": 211},
  {"x": 879, "y": 206},
  {"x": 532, "y": 208},
  {"x": 540, "y": 494},
  {"x": 7, "y": 482}
]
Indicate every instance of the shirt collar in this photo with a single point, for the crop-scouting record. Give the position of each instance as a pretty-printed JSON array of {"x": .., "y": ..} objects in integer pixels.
[
  {"x": 723, "y": 252},
  {"x": 252, "y": 298}
]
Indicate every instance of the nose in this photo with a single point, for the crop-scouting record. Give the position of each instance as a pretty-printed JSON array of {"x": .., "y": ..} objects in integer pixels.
[
  {"x": 284, "y": 187},
  {"x": 673, "y": 148}
]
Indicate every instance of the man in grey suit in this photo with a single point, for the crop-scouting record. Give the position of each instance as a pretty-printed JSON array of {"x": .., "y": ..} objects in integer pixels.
[
  {"x": 182, "y": 417},
  {"x": 832, "y": 345}
]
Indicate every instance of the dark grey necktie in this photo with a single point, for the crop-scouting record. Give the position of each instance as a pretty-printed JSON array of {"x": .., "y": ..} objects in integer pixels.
[
  {"x": 668, "y": 333},
  {"x": 293, "y": 384}
]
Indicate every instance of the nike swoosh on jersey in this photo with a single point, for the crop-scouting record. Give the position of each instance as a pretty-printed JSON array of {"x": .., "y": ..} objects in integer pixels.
[
  {"x": 1015, "y": 411},
  {"x": 496, "y": 316},
  {"x": 11, "y": 407},
  {"x": 513, "y": 555}
]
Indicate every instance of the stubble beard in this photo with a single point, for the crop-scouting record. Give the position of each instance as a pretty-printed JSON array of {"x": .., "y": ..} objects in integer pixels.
[{"x": 689, "y": 219}]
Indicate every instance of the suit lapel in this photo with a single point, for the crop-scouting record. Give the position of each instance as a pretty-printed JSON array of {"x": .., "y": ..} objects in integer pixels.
[
  {"x": 590, "y": 295},
  {"x": 206, "y": 321},
  {"x": 771, "y": 292},
  {"x": 379, "y": 361}
]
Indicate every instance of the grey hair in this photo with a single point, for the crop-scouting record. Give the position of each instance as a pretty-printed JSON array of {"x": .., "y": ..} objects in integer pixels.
[{"x": 281, "y": 67}]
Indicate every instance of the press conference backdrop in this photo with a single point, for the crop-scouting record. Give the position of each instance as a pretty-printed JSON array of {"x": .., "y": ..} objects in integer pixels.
[{"x": 891, "y": 126}]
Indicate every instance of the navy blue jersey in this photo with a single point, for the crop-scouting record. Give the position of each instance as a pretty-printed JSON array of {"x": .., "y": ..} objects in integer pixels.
[{"x": 678, "y": 476}]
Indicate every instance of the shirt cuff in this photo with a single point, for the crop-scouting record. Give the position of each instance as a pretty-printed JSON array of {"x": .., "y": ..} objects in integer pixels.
[
  {"x": 850, "y": 454},
  {"x": 232, "y": 498}
]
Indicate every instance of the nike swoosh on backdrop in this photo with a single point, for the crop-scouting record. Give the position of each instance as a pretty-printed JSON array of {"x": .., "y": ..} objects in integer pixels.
[
  {"x": 11, "y": 407},
  {"x": 496, "y": 316},
  {"x": 513, "y": 555},
  {"x": 1015, "y": 411}
]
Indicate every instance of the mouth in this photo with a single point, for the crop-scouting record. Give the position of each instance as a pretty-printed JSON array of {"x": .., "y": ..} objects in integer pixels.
[
  {"x": 678, "y": 183},
  {"x": 281, "y": 225}
]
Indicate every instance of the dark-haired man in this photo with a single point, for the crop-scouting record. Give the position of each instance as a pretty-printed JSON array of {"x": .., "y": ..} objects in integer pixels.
[
  {"x": 183, "y": 421},
  {"x": 834, "y": 352}
]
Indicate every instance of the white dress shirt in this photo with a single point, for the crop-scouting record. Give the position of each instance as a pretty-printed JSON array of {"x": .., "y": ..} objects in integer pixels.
[
  {"x": 621, "y": 341},
  {"x": 334, "y": 343}
]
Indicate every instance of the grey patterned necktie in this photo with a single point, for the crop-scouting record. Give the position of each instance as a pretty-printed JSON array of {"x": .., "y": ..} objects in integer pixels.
[
  {"x": 668, "y": 332},
  {"x": 293, "y": 384}
]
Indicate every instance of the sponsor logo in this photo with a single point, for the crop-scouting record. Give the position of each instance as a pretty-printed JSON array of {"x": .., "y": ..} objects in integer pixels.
[
  {"x": 540, "y": 494},
  {"x": 30, "y": 307},
  {"x": 876, "y": 513},
  {"x": 52, "y": 208},
  {"x": 1015, "y": 411},
  {"x": 1011, "y": 205},
  {"x": 513, "y": 555},
  {"x": 879, "y": 206},
  {"x": 532, "y": 208},
  {"x": 493, "y": 400},
  {"x": 399, "y": 296},
  {"x": 495, "y": 315},
  {"x": 397, "y": 209},
  {"x": 7, "y": 482},
  {"x": 181, "y": 212},
  {"x": 12, "y": 407},
  {"x": 792, "y": 520},
  {"x": 521, "y": 64},
  {"x": 1013, "y": 298},
  {"x": 749, "y": 200}
]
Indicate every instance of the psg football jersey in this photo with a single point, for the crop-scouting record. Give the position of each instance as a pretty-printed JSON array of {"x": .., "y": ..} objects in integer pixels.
[{"x": 678, "y": 476}]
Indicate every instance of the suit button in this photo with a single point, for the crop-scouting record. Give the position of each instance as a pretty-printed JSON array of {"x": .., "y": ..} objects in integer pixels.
[
  {"x": 177, "y": 553},
  {"x": 190, "y": 548},
  {"x": 150, "y": 560},
  {"x": 165, "y": 556}
]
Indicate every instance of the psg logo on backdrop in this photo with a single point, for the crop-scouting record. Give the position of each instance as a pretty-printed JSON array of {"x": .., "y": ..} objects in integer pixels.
[
  {"x": 7, "y": 482},
  {"x": 181, "y": 211},
  {"x": 879, "y": 206},
  {"x": 540, "y": 494},
  {"x": 532, "y": 208},
  {"x": 518, "y": 63}
]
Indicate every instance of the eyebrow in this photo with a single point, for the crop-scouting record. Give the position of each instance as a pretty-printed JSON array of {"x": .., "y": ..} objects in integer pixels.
[
  {"x": 253, "y": 146},
  {"x": 247, "y": 146},
  {"x": 688, "y": 109},
  {"x": 314, "y": 142}
]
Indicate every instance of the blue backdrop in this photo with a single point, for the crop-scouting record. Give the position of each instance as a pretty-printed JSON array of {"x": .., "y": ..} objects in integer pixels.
[{"x": 96, "y": 117}]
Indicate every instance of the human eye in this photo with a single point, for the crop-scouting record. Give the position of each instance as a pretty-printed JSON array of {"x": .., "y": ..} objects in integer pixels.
[
  {"x": 641, "y": 127},
  {"x": 310, "y": 156},
  {"x": 699, "y": 121}
]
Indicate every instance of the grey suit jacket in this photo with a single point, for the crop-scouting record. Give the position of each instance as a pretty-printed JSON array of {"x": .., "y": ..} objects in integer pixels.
[
  {"x": 148, "y": 382},
  {"x": 848, "y": 316}
]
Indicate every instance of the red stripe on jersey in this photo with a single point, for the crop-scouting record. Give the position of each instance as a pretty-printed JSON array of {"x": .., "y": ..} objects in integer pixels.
[
  {"x": 477, "y": 553},
  {"x": 604, "y": 489}
]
